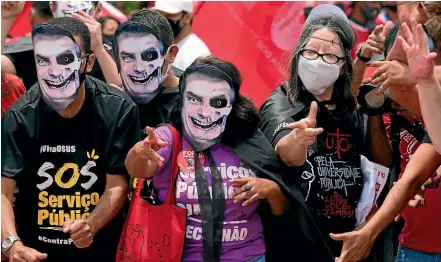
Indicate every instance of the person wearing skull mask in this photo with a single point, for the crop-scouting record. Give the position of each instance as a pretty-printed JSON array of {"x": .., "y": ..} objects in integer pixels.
[
  {"x": 219, "y": 125},
  {"x": 62, "y": 128},
  {"x": 67, "y": 8}
]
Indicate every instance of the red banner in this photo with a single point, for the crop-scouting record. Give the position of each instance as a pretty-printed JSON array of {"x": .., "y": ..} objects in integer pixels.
[{"x": 257, "y": 37}]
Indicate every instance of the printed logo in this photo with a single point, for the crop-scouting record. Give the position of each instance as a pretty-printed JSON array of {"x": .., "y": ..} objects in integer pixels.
[
  {"x": 57, "y": 149},
  {"x": 186, "y": 161}
]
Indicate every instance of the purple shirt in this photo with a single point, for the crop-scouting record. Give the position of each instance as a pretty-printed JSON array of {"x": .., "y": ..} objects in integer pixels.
[{"x": 242, "y": 238}]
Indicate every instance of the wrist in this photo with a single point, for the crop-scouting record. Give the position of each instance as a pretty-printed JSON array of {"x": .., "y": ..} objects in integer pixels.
[
  {"x": 99, "y": 50},
  {"x": 16, "y": 244},
  {"x": 274, "y": 187},
  {"x": 428, "y": 80},
  {"x": 92, "y": 225}
]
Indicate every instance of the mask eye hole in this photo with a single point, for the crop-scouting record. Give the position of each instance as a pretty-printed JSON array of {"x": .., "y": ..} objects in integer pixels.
[
  {"x": 149, "y": 56},
  {"x": 218, "y": 102},
  {"x": 65, "y": 59}
]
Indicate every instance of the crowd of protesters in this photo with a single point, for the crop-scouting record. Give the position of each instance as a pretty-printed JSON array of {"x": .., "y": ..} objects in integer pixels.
[{"x": 129, "y": 141}]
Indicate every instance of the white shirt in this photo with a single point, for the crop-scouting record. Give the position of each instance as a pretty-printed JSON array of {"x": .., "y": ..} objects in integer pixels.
[{"x": 190, "y": 48}]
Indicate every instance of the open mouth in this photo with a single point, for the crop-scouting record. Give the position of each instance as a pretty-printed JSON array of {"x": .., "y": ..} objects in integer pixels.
[
  {"x": 62, "y": 84},
  {"x": 206, "y": 126},
  {"x": 144, "y": 80}
]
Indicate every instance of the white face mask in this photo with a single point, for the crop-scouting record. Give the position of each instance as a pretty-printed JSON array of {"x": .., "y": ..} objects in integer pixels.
[{"x": 316, "y": 75}]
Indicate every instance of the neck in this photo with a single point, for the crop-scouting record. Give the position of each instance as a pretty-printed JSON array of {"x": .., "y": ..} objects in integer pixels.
[
  {"x": 183, "y": 34},
  {"x": 75, "y": 107},
  {"x": 358, "y": 17},
  {"x": 171, "y": 81},
  {"x": 327, "y": 95}
]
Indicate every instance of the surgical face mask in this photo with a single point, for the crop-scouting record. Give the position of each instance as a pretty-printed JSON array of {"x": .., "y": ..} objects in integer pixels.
[
  {"x": 58, "y": 63},
  {"x": 141, "y": 65},
  {"x": 176, "y": 26},
  {"x": 206, "y": 106},
  {"x": 316, "y": 75}
]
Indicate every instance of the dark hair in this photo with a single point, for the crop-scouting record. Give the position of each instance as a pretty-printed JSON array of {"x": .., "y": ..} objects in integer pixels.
[
  {"x": 342, "y": 94},
  {"x": 53, "y": 31},
  {"x": 104, "y": 19},
  {"x": 43, "y": 8},
  {"x": 68, "y": 24},
  {"x": 434, "y": 23},
  {"x": 243, "y": 119},
  {"x": 160, "y": 25}
]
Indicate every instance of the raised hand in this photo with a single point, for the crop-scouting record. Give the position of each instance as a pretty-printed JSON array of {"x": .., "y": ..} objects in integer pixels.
[
  {"x": 148, "y": 148},
  {"x": 420, "y": 60},
  {"x": 11, "y": 9},
  {"x": 304, "y": 130},
  {"x": 375, "y": 43},
  {"x": 96, "y": 37},
  {"x": 391, "y": 73}
]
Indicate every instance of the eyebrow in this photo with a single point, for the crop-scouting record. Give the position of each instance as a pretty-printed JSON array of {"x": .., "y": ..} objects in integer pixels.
[
  {"x": 218, "y": 97},
  {"x": 42, "y": 57},
  {"x": 65, "y": 53},
  {"x": 126, "y": 53},
  {"x": 47, "y": 57},
  {"x": 193, "y": 94}
]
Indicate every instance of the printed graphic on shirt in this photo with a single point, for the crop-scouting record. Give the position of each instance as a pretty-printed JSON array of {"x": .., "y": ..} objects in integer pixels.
[{"x": 55, "y": 209}]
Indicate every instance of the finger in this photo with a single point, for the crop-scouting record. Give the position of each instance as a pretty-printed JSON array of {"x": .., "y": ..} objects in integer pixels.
[
  {"x": 66, "y": 226},
  {"x": 77, "y": 226},
  {"x": 407, "y": 34},
  {"x": 161, "y": 143},
  {"x": 378, "y": 63},
  {"x": 403, "y": 44},
  {"x": 312, "y": 132},
  {"x": 254, "y": 198},
  {"x": 379, "y": 71},
  {"x": 237, "y": 191},
  {"x": 374, "y": 50},
  {"x": 373, "y": 44},
  {"x": 29, "y": 256},
  {"x": 38, "y": 254},
  {"x": 313, "y": 111},
  {"x": 239, "y": 181},
  {"x": 299, "y": 124},
  {"x": 83, "y": 17},
  {"x": 308, "y": 142},
  {"x": 386, "y": 84},
  {"x": 150, "y": 134},
  {"x": 366, "y": 80},
  {"x": 432, "y": 56},
  {"x": 413, "y": 27},
  {"x": 82, "y": 242},
  {"x": 397, "y": 218},
  {"x": 344, "y": 257},
  {"x": 338, "y": 237},
  {"x": 386, "y": 29},
  {"x": 242, "y": 197},
  {"x": 377, "y": 30},
  {"x": 83, "y": 233},
  {"x": 155, "y": 157}
]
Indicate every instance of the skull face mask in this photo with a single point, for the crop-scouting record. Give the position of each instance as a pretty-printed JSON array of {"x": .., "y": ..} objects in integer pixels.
[
  {"x": 141, "y": 62},
  {"x": 67, "y": 8},
  {"x": 206, "y": 106},
  {"x": 58, "y": 62}
]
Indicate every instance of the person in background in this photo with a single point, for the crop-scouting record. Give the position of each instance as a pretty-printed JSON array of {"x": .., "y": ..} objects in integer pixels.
[
  {"x": 108, "y": 27},
  {"x": 389, "y": 12},
  {"x": 145, "y": 51},
  {"x": 12, "y": 89},
  {"x": 17, "y": 57},
  {"x": 66, "y": 138},
  {"x": 333, "y": 135},
  {"x": 420, "y": 168},
  {"x": 180, "y": 16},
  {"x": 363, "y": 19}
]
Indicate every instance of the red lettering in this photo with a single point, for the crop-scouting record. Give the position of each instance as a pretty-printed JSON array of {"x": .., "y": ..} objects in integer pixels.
[{"x": 340, "y": 140}]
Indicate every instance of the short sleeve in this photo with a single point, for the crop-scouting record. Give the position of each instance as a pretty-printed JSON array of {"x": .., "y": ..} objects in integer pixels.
[
  {"x": 272, "y": 127},
  {"x": 164, "y": 133},
  {"x": 14, "y": 141},
  {"x": 127, "y": 134},
  {"x": 426, "y": 139}
]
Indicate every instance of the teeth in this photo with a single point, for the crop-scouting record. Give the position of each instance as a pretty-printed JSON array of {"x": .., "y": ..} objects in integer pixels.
[
  {"x": 204, "y": 126},
  {"x": 140, "y": 78}
]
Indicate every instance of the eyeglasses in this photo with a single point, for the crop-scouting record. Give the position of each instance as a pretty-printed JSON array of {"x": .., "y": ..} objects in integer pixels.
[{"x": 327, "y": 58}]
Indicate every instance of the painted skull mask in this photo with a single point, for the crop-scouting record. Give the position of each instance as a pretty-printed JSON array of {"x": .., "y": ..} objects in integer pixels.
[
  {"x": 140, "y": 59},
  {"x": 58, "y": 63},
  {"x": 206, "y": 105},
  {"x": 67, "y": 8}
]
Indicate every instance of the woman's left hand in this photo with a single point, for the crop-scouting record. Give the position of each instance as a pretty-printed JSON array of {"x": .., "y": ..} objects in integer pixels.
[{"x": 252, "y": 189}]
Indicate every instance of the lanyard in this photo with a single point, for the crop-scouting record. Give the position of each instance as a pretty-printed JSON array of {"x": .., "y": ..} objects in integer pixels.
[{"x": 212, "y": 208}]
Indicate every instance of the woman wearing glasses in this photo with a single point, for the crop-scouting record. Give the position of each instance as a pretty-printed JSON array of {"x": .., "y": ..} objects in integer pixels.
[{"x": 314, "y": 125}]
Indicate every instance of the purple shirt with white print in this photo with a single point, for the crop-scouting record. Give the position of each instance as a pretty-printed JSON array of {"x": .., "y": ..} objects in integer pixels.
[{"x": 242, "y": 238}]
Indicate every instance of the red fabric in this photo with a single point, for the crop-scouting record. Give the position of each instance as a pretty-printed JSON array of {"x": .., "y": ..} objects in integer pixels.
[
  {"x": 22, "y": 25},
  {"x": 155, "y": 232},
  {"x": 422, "y": 225},
  {"x": 12, "y": 89}
]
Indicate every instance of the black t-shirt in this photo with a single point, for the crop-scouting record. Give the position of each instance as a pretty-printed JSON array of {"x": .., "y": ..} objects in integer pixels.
[
  {"x": 426, "y": 139},
  {"x": 331, "y": 179},
  {"x": 60, "y": 166},
  {"x": 158, "y": 111}
]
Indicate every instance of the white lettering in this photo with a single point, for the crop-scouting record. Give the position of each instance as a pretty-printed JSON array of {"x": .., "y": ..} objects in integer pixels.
[
  {"x": 42, "y": 173},
  {"x": 85, "y": 172}
]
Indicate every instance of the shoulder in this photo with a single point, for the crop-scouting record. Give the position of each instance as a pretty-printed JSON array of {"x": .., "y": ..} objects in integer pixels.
[
  {"x": 165, "y": 133},
  {"x": 29, "y": 101},
  {"x": 106, "y": 96}
]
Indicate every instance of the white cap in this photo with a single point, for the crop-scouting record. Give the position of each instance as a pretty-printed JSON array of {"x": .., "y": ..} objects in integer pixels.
[{"x": 174, "y": 7}]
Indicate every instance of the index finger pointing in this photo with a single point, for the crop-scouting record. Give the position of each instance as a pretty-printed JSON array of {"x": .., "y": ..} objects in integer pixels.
[
  {"x": 313, "y": 111},
  {"x": 377, "y": 29},
  {"x": 151, "y": 135},
  {"x": 387, "y": 27}
]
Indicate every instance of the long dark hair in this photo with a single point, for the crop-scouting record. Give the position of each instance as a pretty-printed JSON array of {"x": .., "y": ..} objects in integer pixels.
[
  {"x": 243, "y": 120},
  {"x": 342, "y": 94}
]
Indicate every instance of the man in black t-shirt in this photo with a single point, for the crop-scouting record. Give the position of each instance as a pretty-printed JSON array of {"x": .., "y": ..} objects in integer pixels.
[
  {"x": 63, "y": 145},
  {"x": 145, "y": 51}
]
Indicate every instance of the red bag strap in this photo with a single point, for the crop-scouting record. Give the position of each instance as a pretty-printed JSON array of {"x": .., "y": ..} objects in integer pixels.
[{"x": 177, "y": 147}]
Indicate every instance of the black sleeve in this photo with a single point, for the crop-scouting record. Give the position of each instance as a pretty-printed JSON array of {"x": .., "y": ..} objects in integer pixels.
[
  {"x": 14, "y": 141},
  {"x": 24, "y": 63},
  {"x": 126, "y": 135},
  {"x": 426, "y": 139},
  {"x": 96, "y": 69}
]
